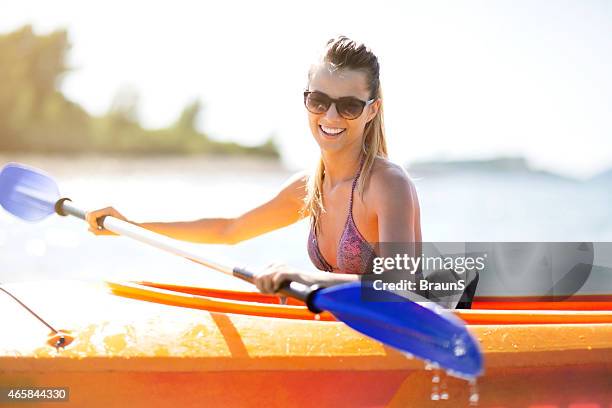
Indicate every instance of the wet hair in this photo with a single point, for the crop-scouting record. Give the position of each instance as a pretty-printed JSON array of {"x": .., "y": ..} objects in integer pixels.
[{"x": 342, "y": 53}]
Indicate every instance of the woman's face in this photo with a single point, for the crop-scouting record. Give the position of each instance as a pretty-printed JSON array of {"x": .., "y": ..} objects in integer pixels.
[{"x": 331, "y": 131}]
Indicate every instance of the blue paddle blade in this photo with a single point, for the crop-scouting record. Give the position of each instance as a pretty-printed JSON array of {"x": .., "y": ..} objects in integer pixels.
[
  {"x": 425, "y": 330},
  {"x": 27, "y": 193}
]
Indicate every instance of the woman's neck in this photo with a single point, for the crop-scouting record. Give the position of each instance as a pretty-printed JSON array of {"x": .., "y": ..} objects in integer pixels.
[{"x": 340, "y": 166}]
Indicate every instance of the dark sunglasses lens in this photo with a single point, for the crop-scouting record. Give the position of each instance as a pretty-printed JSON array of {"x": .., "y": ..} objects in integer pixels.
[
  {"x": 350, "y": 108},
  {"x": 316, "y": 102}
]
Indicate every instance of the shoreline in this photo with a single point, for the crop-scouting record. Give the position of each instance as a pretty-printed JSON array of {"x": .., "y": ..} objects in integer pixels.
[{"x": 63, "y": 164}]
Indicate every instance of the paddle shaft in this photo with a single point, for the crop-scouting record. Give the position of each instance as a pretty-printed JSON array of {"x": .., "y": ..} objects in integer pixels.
[{"x": 65, "y": 207}]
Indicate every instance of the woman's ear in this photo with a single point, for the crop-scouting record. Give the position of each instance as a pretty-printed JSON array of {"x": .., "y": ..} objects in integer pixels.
[{"x": 373, "y": 109}]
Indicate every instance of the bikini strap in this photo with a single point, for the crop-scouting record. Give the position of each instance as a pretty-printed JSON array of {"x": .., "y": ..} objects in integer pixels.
[{"x": 355, "y": 184}]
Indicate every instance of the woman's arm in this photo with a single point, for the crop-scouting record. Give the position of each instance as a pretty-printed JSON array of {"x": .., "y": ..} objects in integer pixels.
[
  {"x": 394, "y": 200},
  {"x": 281, "y": 210},
  {"x": 399, "y": 228}
]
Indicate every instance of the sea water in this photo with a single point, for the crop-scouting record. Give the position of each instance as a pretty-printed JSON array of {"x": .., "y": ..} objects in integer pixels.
[{"x": 454, "y": 207}]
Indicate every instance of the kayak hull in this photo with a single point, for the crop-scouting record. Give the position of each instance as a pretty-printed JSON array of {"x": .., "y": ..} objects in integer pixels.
[
  {"x": 131, "y": 353},
  {"x": 518, "y": 387}
]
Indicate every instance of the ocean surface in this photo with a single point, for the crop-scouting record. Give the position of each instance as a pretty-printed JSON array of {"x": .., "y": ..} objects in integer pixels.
[{"x": 456, "y": 206}]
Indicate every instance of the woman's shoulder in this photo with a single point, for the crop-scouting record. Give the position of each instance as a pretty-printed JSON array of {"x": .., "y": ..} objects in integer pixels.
[
  {"x": 389, "y": 182},
  {"x": 389, "y": 175}
]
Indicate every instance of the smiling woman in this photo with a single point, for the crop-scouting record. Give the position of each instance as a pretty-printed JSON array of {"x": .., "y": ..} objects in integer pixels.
[{"x": 356, "y": 196}]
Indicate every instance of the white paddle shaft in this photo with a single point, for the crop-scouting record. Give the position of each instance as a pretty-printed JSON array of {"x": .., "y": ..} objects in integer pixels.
[{"x": 64, "y": 207}]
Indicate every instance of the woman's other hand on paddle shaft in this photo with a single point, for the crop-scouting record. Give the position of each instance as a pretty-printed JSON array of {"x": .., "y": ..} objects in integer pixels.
[
  {"x": 274, "y": 275},
  {"x": 92, "y": 218}
]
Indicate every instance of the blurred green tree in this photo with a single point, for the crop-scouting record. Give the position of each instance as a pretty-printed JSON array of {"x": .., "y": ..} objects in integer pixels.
[{"x": 35, "y": 116}]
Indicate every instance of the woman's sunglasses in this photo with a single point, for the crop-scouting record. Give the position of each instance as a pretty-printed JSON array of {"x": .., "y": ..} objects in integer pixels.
[{"x": 347, "y": 107}]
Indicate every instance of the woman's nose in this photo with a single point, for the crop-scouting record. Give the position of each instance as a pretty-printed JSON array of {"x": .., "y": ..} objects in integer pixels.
[{"x": 332, "y": 112}]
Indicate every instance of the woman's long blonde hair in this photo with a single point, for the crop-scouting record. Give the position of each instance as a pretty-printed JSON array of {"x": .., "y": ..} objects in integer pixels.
[{"x": 344, "y": 53}]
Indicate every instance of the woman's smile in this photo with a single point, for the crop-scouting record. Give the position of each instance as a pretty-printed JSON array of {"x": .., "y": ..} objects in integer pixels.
[{"x": 329, "y": 132}]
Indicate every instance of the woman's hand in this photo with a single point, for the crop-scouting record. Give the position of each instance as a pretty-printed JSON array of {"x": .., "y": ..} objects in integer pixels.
[
  {"x": 272, "y": 277},
  {"x": 93, "y": 216}
]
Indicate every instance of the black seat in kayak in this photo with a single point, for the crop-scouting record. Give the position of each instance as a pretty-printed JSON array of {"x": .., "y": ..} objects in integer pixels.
[
  {"x": 446, "y": 297},
  {"x": 468, "y": 294}
]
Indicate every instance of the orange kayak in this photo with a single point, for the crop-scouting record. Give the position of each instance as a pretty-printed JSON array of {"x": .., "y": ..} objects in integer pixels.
[{"x": 141, "y": 345}]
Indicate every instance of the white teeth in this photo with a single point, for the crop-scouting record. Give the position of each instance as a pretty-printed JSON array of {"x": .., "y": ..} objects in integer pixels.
[{"x": 332, "y": 131}]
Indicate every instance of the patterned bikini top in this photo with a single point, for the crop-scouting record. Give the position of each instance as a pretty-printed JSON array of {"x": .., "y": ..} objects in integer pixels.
[{"x": 354, "y": 255}]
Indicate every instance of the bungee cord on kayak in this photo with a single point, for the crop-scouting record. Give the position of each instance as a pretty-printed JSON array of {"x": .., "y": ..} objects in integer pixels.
[{"x": 59, "y": 338}]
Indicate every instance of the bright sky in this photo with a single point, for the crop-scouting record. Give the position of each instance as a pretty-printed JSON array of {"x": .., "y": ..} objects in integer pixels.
[{"x": 461, "y": 79}]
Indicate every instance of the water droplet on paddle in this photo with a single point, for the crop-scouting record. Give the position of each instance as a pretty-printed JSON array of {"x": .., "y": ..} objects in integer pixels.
[
  {"x": 474, "y": 396},
  {"x": 443, "y": 389},
  {"x": 435, "y": 381},
  {"x": 430, "y": 365},
  {"x": 459, "y": 349}
]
